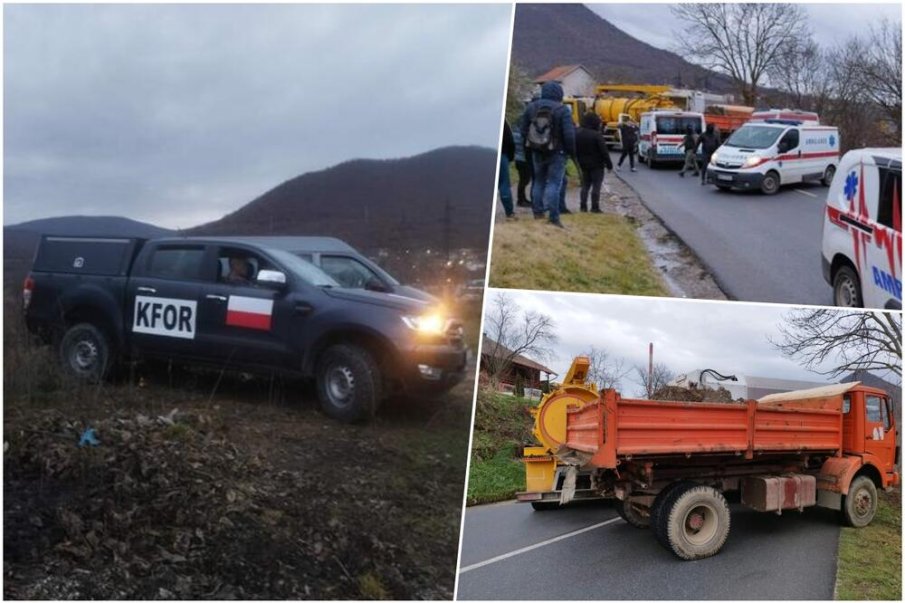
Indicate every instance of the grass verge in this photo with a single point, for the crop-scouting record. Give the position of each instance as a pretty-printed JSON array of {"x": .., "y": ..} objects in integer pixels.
[
  {"x": 502, "y": 427},
  {"x": 870, "y": 559},
  {"x": 598, "y": 253}
]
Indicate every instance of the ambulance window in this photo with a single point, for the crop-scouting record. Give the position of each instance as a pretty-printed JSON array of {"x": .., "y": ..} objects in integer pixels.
[
  {"x": 874, "y": 406},
  {"x": 789, "y": 140},
  {"x": 177, "y": 263},
  {"x": 890, "y": 198}
]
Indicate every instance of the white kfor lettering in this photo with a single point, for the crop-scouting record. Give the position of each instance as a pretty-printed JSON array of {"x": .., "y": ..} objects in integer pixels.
[{"x": 164, "y": 316}]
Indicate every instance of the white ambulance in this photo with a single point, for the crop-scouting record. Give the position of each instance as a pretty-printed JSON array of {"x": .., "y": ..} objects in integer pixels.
[
  {"x": 768, "y": 153},
  {"x": 661, "y": 134},
  {"x": 862, "y": 230}
]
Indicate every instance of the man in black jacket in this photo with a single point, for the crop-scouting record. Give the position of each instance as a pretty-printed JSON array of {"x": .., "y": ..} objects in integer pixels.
[
  {"x": 709, "y": 142},
  {"x": 593, "y": 159},
  {"x": 503, "y": 185},
  {"x": 628, "y": 136}
]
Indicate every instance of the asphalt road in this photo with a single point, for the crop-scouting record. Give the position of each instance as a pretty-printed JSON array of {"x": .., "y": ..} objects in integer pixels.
[
  {"x": 792, "y": 556},
  {"x": 758, "y": 248}
]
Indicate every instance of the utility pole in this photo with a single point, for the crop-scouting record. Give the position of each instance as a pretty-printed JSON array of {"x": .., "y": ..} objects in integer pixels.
[
  {"x": 650, "y": 370},
  {"x": 447, "y": 226}
]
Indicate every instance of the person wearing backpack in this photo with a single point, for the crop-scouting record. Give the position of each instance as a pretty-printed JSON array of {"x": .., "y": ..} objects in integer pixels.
[
  {"x": 593, "y": 159},
  {"x": 709, "y": 142},
  {"x": 549, "y": 134},
  {"x": 690, "y": 145}
]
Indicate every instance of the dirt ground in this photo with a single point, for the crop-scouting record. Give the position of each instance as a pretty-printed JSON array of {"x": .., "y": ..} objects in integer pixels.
[{"x": 205, "y": 486}]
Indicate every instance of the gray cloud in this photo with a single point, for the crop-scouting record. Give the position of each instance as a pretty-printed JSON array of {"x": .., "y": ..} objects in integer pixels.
[
  {"x": 180, "y": 114},
  {"x": 687, "y": 334}
]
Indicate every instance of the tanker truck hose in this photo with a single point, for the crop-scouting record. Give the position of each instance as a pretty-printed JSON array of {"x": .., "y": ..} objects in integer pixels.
[{"x": 718, "y": 376}]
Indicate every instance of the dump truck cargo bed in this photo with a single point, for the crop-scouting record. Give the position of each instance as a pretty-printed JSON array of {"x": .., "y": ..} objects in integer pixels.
[{"x": 614, "y": 428}]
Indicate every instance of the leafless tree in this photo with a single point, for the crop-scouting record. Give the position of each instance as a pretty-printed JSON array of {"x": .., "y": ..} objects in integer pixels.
[
  {"x": 740, "y": 40},
  {"x": 835, "y": 342},
  {"x": 606, "y": 370},
  {"x": 801, "y": 71},
  {"x": 512, "y": 332},
  {"x": 651, "y": 381},
  {"x": 875, "y": 67}
]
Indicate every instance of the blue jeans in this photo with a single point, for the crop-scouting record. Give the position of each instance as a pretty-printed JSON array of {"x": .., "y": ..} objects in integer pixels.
[
  {"x": 503, "y": 185},
  {"x": 549, "y": 171}
]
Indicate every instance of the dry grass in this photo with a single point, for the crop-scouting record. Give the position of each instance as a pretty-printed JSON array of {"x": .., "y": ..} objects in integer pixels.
[{"x": 598, "y": 253}]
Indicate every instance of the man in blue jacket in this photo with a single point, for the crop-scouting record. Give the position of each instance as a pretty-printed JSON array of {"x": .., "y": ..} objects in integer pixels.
[{"x": 548, "y": 132}]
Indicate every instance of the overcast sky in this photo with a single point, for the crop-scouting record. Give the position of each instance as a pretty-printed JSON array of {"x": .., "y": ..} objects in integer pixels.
[
  {"x": 177, "y": 115},
  {"x": 830, "y": 23},
  {"x": 730, "y": 338}
]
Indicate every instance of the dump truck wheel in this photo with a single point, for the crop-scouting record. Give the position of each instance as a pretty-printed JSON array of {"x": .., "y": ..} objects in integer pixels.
[
  {"x": 545, "y": 506},
  {"x": 662, "y": 503},
  {"x": 348, "y": 383},
  {"x": 85, "y": 353},
  {"x": 631, "y": 515},
  {"x": 697, "y": 523},
  {"x": 860, "y": 504}
]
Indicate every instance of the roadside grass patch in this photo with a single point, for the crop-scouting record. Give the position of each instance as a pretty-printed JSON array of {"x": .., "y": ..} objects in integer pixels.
[
  {"x": 502, "y": 428},
  {"x": 870, "y": 558},
  {"x": 599, "y": 253}
]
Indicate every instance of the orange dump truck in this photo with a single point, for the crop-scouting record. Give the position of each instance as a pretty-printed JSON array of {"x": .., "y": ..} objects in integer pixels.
[{"x": 669, "y": 464}]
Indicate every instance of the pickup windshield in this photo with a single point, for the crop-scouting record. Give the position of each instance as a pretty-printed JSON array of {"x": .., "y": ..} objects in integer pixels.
[
  {"x": 308, "y": 272},
  {"x": 754, "y": 137}
]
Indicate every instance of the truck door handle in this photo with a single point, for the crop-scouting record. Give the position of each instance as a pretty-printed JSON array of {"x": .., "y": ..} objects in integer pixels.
[
  {"x": 147, "y": 289},
  {"x": 303, "y": 308},
  {"x": 215, "y": 297}
]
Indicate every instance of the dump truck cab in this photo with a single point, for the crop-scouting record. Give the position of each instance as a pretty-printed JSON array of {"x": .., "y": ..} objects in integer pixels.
[{"x": 869, "y": 433}]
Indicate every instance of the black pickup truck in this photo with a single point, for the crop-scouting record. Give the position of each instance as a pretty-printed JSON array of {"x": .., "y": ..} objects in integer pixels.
[{"x": 247, "y": 306}]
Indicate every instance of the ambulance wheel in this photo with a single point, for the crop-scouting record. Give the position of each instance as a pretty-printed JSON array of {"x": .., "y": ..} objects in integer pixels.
[
  {"x": 697, "y": 523},
  {"x": 770, "y": 184},
  {"x": 847, "y": 288},
  {"x": 545, "y": 506},
  {"x": 85, "y": 353},
  {"x": 631, "y": 515},
  {"x": 860, "y": 504},
  {"x": 348, "y": 383},
  {"x": 828, "y": 175}
]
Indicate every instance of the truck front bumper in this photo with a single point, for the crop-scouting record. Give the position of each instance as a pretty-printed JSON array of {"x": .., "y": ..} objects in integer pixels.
[
  {"x": 740, "y": 180},
  {"x": 435, "y": 368}
]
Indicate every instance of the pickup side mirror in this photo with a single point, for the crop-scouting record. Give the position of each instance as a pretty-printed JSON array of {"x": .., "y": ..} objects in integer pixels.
[{"x": 272, "y": 279}]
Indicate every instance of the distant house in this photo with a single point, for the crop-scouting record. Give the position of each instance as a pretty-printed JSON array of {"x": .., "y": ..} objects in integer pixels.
[
  {"x": 531, "y": 373},
  {"x": 575, "y": 80}
]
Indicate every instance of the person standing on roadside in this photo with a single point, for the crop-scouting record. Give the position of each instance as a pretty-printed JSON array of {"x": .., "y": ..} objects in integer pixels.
[
  {"x": 523, "y": 166},
  {"x": 690, "y": 144},
  {"x": 628, "y": 134},
  {"x": 593, "y": 159},
  {"x": 549, "y": 134},
  {"x": 503, "y": 185},
  {"x": 709, "y": 142}
]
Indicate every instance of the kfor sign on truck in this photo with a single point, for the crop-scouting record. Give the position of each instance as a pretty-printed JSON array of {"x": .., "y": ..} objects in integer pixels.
[{"x": 165, "y": 316}]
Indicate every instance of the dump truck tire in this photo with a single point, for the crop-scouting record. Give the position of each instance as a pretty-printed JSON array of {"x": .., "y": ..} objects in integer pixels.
[
  {"x": 664, "y": 501},
  {"x": 697, "y": 523},
  {"x": 860, "y": 504},
  {"x": 630, "y": 515},
  {"x": 545, "y": 506},
  {"x": 348, "y": 383},
  {"x": 86, "y": 353}
]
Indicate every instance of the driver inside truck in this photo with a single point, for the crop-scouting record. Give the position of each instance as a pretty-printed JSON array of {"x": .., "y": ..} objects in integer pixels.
[{"x": 238, "y": 271}]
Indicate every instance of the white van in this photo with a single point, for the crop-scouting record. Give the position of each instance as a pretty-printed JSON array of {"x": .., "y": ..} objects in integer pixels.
[
  {"x": 661, "y": 134},
  {"x": 767, "y": 154},
  {"x": 862, "y": 230}
]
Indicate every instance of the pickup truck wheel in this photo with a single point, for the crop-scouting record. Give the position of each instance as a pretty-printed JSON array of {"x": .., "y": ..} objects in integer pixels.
[
  {"x": 697, "y": 523},
  {"x": 860, "y": 504},
  {"x": 348, "y": 383},
  {"x": 631, "y": 515},
  {"x": 770, "y": 184},
  {"x": 847, "y": 288},
  {"x": 85, "y": 352},
  {"x": 663, "y": 502}
]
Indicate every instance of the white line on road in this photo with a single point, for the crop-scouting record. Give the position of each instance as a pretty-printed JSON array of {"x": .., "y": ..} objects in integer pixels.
[
  {"x": 473, "y": 566},
  {"x": 798, "y": 190}
]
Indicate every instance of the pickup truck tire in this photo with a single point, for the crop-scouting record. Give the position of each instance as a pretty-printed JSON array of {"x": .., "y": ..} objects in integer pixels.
[
  {"x": 349, "y": 383},
  {"x": 627, "y": 512},
  {"x": 664, "y": 500},
  {"x": 860, "y": 504},
  {"x": 85, "y": 352},
  {"x": 697, "y": 522}
]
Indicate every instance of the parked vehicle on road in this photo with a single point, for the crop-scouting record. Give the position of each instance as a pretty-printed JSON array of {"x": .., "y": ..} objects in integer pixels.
[
  {"x": 669, "y": 464},
  {"x": 240, "y": 305},
  {"x": 661, "y": 134},
  {"x": 764, "y": 155},
  {"x": 862, "y": 230}
]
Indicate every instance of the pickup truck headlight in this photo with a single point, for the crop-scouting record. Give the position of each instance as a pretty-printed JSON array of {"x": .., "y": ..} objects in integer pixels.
[{"x": 429, "y": 324}]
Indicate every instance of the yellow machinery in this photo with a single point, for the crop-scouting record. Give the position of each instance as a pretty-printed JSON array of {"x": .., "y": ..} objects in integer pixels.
[
  {"x": 550, "y": 426},
  {"x": 614, "y": 110}
]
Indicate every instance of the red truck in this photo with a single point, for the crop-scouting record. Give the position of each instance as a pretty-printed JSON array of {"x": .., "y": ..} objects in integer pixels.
[{"x": 668, "y": 464}]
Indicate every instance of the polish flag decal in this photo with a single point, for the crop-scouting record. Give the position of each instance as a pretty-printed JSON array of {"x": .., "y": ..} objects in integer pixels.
[{"x": 249, "y": 312}]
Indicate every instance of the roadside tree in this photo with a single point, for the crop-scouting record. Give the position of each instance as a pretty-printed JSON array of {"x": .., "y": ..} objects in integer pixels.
[{"x": 511, "y": 332}]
